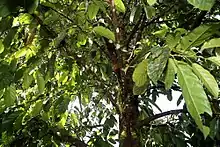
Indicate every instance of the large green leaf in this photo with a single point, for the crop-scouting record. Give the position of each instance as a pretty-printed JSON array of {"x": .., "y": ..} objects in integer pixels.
[
  {"x": 92, "y": 11},
  {"x": 194, "y": 95},
  {"x": 139, "y": 90},
  {"x": 215, "y": 60},
  {"x": 156, "y": 65},
  {"x": 151, "y": 2},
  {"x": 40, "y": 82},
  {"x": 140, "y": 74},
  {"x": 207, "y": 79},
  {"x": 211, "y": 43},
  {"x": 198, "y": 36},
  {"x": 105, "y": 32},
  {"x": 120, "y": 6},
  {"x": 202, "y": 4},
  {"x": 170, "y": 73},
  {"x": 10, "y": 96}
]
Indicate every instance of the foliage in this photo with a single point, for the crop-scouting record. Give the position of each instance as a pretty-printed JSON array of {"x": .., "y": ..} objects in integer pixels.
[{"x": 89, "y": 73}]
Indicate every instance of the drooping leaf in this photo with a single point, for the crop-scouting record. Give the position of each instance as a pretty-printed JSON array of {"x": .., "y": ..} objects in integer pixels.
[
  {"x": 92, "y": 11},
  {"x": 198, "y": 36},
  {"x": 211, "y": 43},
  {"x": 202, "y": 4},
  {"x": 207, "y": 79},
  {"x": 105, "y": 32},
  {"x": 157, "y": 65},
  {"x": 36, "y": 108},
  {"x": 10, "y": 96},
  {"x": 151, "y": 2},
  {"x": 120, "y": 6},
  {"x": 40, "y": 82},
  {"x": 140, "y": 74},
  {"x": 215, "y": 60},
  {"x": 1, "y": 46},
  {"x": 170, "y": 74},
  {"x": 194, "y": 95}
]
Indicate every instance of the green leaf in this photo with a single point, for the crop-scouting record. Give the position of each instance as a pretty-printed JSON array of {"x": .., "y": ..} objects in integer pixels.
[
  {"x": 92, "y": 11},
  {"x": 215, "y": 60},
  {"x": 36, "y": 108},
  {"x": 21, "y": 52},
  {"x": 140, "y": 74},
  {"x": 207, "y": 79},
  {"x": 120, "y": 6},
  {"x": 172, "y": 40},
  {"x": 194, "y": 95},
  {"x": 211, "y": 43},
  {"x": 198, "y": 36},
  {"x": 27, "y": 80},
  {"x": 139, "y": 90},
  {"x": 156, "y": 65},
  {"x": 202, "y": 4},
  {"x": 170, "y": 74},
  {"x": 40, "y": 82},
  {"x": 151, "y": 2},
  {"x": 105, "y": 32},
  {"x": 150, "y": 11},
  {"x": 4, "y": 11},
  {"x": 1, "y": 46},
  {"x": 10, "y": 96}
]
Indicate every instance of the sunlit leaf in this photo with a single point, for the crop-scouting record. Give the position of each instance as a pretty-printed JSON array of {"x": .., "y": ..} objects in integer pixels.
[
  {"x": 202, "y": 4},
  {"x": 120, "y": 6},
  {"x": 21, "y": 52},
  {"x": 10, "y": 96},
  {"x": 105, "y": 32},
  {"x": 211, "y": 43},
  {"x": 1, "y": 46},
  {"x": 194, "y": 95},
  {"x": 207, "y": 79},
  {"x": 140, "y": 74},
  {"x": 170, "y": 74},
  {"x": 151, "y": 2},
  {"x": 215, "y": 60}
]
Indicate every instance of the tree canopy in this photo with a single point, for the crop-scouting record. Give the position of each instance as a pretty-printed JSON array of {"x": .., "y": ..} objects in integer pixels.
[{"x": 89, "y": 72}]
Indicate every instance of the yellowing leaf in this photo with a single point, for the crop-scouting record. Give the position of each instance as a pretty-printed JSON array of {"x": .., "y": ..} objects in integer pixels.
[
  {"x": 202, "y": 4},
  {"x": 105, "y": 32},
  {"x": 10, "y": 96},
  {"x": 207, "y": 79},
  {"x": 151, "y": 2},
  {"x": 40, "y": 82},
  {"x": 120, "y": 6},
  {"x": 211, "y": 43},
  {"x": 140, "y": 74},
  {"x": 1, "y": 46},
  {"x": 92, "y": 11},
  {"x": 170, "y": 74},
  {"x": 194, "y": 95}
]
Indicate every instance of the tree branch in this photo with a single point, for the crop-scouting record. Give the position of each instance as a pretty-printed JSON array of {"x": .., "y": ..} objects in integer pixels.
[{"x": 146, "y": 121}]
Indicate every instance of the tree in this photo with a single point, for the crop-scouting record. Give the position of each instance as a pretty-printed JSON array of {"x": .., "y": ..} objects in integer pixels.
[{"x": 88, "y": 73}]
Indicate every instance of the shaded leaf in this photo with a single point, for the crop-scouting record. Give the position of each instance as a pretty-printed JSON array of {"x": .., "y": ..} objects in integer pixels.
[
  {"x": 150, "y": 11},
  {"x": 170, "y": 74},
  {"x": 140, "y": 74},
  {"x": 207, "y": 79},
  {"x": 27, "y": 80},
  {"x": 36, "y": 108},
  {"x": 105, "y": 32},
  {"x": 10, "y": 96},
  {"x": 92, "y": 11},
  {"x": 1, "y": 46},
  {"x": 40, "y": 82},
  {"x": 194, "y": 95},
  {"x": 139, "y": 90},
  {"x": 157, "y": 65}
]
